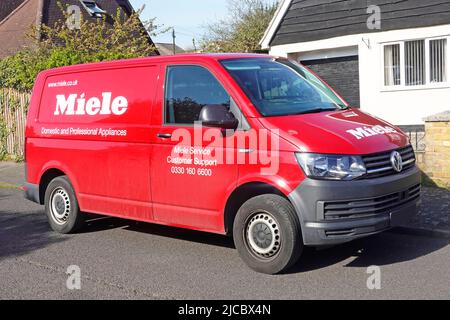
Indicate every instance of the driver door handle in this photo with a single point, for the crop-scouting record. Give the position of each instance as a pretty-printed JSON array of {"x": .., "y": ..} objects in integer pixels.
[{"x": 164, "y": 135}]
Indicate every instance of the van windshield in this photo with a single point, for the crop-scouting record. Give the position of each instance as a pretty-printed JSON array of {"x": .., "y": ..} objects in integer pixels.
[{"x": 282, "y": 87}]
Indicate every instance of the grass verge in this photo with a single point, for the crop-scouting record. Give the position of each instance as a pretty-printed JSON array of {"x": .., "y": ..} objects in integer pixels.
[{"x": 4, "y": 185}]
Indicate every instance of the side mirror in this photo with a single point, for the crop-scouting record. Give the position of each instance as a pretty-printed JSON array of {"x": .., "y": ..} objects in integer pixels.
[{"x": 218, "y": 116}]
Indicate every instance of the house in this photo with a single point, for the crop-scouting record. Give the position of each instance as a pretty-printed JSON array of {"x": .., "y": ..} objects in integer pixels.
[
  {"x": 391, "y": 59},
  {"x": 17, "y": 17},
  {"x": 166, "y": 49}
]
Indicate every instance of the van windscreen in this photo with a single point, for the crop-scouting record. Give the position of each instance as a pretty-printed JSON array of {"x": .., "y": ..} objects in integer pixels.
[{"x": 282, "y": 87}]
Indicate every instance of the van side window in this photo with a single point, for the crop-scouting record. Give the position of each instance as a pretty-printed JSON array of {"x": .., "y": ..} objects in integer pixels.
[{"x": 188, "y": 90}]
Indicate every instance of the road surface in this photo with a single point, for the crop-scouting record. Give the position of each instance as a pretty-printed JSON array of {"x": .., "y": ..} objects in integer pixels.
[{"x": 120, "y": 259}]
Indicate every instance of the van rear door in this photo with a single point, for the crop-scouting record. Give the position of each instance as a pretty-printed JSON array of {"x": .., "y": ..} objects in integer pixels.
[{"x": 189, "y": 177}]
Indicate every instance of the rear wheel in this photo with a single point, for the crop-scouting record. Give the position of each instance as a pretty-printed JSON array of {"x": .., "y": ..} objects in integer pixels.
[
  {"x": 267, "y": 234},
  {"x": 61, "y": 206}
]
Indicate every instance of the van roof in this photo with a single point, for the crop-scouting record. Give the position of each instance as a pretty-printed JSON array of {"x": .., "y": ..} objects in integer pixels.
[{"x": 154, "y": 59}]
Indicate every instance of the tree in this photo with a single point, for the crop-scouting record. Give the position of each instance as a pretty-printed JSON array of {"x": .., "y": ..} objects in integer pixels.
[
  {"x": 242, "y": 30},
  {"x": 60, "y": 45}
]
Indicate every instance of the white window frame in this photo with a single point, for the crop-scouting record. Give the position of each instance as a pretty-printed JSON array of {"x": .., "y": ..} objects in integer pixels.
[
  {"x": 427, "y": 84},
  {"x": 97, "y": 12}
]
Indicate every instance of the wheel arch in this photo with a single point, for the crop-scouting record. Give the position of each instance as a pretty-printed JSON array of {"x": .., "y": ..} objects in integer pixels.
[
  {"x": 50, "y": 172},
  {"x": 46, "y": 178},
  {"x": 243, "y": 193}
]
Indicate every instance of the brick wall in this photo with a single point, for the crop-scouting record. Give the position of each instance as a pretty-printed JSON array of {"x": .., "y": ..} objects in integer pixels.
[
  {"x": 436, "y": 164},
  {"x": 53, "y": 14}
]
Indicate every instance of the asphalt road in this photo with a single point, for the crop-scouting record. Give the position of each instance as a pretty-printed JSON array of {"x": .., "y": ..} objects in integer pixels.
[{"x": 120, "y": 259}]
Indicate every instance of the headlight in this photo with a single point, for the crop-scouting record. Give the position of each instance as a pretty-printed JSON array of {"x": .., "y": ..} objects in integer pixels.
[{"x": 331, "y": 167}]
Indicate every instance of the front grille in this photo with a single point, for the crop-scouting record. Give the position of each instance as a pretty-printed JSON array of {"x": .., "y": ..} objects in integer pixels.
[
  {"x": 379, "y": 165},
  {"x": 366, "y": 208}
]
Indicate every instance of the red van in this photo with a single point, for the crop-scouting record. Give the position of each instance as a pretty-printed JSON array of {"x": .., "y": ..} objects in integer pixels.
[{"x": 252, "y": 146}]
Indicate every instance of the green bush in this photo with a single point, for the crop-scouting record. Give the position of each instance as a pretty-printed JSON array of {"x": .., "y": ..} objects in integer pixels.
[{"x": 92, "y": 42}]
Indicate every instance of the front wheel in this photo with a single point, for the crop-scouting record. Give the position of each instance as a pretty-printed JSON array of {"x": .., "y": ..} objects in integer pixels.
[
  {"x": 267, "y": 234},
  {"x": 61, "y": 206}
]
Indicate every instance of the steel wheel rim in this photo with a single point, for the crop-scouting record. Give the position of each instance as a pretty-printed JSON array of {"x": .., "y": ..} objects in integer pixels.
[
  {"x": 262, "y": 235},
  {"x": 60, "y": 205}
]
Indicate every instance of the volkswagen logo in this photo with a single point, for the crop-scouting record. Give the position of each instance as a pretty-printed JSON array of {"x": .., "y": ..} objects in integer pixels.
[{"x": 396, "y": 161}]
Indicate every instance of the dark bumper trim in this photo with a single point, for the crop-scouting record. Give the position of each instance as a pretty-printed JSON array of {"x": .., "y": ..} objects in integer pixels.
[
  {"x": 311, "y": 193},
  {"x": 32, "y": 192}
]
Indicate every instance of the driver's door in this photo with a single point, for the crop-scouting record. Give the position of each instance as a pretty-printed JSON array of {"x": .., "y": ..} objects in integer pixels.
[{"x": 189, "y": 180}]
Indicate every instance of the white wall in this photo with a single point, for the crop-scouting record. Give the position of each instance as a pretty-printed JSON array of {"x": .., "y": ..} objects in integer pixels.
[{"x": 401, "y": 107}]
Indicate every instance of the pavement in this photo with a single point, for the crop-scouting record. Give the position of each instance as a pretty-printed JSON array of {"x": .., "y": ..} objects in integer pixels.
[
  {"x": 121, "y": 259},
  {"x": 434, "y": 216}
]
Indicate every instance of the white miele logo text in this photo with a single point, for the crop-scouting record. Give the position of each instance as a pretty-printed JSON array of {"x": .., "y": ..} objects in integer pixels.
[
  {"x": 80, "y": 106},
  {"x": 365, "y": 132}
]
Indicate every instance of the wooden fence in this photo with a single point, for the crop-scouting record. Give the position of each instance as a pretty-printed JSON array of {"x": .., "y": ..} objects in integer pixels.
[{"x": 13, "y": 110}]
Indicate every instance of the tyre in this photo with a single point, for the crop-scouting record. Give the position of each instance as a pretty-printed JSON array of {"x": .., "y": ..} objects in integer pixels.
[
  {"x": 267, "y": 234},
  {"x": 61, "y": 206}
]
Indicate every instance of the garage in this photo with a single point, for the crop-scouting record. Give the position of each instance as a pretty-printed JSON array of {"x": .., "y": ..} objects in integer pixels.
[{"x": 341, "y": 73}]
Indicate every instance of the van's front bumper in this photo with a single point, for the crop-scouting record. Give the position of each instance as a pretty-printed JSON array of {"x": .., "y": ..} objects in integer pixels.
[{"x": 333, "y": 212}]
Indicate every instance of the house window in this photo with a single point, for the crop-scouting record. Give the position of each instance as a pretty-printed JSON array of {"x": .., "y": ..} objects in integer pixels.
[
  {"x": 392, "y": 65},
  {"x": 416, "y": 63},
  {"x": 438, "y": 61},
  {"x": 93, "y": 8}
]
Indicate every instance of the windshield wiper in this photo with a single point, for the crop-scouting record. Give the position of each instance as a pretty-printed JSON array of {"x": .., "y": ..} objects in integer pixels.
[{"x": 315, "y": 110}]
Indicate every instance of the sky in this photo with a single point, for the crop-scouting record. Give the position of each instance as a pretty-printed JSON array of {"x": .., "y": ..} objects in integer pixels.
[{"x": 188, "y": 17}]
